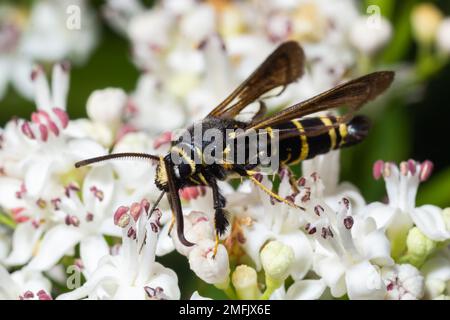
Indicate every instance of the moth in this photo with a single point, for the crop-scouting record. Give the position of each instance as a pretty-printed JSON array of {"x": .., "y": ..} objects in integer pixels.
[{"x": 299, "y": 137}]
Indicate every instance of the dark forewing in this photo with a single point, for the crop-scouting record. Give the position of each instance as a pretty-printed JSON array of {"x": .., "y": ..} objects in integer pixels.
[
  {"x": 283, "y": 66},
  {"x": 352, "y": 94}
]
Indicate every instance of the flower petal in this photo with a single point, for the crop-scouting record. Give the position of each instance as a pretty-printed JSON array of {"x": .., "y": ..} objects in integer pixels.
[
  {"x": 8, "y": 288},
  {"x": 306, "y": 290},
  {"x": 166, "y": 279},
  {"x": 256, "y": 236},
  {"x": 302, "y": 252},
  {"x": 364, "y": 282},
  {"x": 430, "y": 221},
  {"x": 24, "y": 241},
  {"x": 8, "y": 189},
  {"x": 92, "y": 249},
  {"x": 382, "y": 213},
  {"x": 55, "y": 244},
  {"x": 332, "y": 272}
]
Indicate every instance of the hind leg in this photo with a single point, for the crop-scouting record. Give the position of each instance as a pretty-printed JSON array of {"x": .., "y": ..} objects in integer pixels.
[{"x": 220, "y": 219}]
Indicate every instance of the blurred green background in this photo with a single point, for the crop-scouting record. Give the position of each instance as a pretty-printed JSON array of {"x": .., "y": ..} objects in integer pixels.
[{"x": 417, "y": 130}]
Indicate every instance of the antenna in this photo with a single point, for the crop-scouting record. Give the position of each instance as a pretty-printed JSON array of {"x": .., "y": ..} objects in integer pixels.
[{"x": 125, "y": 155}]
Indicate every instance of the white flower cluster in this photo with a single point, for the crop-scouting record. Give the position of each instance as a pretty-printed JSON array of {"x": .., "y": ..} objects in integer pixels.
[
  {"x": 60, "y": 225},
  {"x": 49, "y": 31}
]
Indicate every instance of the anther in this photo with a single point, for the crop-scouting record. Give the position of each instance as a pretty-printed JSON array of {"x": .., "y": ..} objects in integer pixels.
[
  {"x": 135, "y": 210},
  {"x": 378, "y": 169},
  {"x": 348, "y": 222},
  {"x": 121, "y": 217},
  {"x": 426, "y": 168}
]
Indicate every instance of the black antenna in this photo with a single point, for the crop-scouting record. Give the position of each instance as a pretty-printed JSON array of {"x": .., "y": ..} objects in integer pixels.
[{"x": 125, "y": 155}]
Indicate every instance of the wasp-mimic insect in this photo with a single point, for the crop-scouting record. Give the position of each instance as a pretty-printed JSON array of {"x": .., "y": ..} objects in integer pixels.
[{"x": 299, "y": 138}]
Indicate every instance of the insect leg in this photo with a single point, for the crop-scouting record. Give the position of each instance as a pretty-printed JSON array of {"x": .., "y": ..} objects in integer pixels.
[
  {"x": 220, "y": 216},
  {"x": 258, "y": 183}
]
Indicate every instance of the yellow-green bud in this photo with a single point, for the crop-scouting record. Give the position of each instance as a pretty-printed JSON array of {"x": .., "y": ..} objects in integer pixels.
[
  {"x": 277, "y": 259},
  {"x": 419, "y": 247},
  {"x": 425, "y": 20},
  {"x": 244, "y": 280}
]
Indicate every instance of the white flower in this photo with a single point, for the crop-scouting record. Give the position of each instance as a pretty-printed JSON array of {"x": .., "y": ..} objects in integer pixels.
[
  {"x": 106, "y": 106},
  {"x": 211, "y": 269},
  {"x": 403, "y": 282},
  {"x": 133, "y": 273},
  {"x": 48, "y": 36},
  {"x": 349, "y": 248},
  {"x": 41, "y": 35},
  {"x": 327, "y": 167},
  {"x": 24, "y": 285},
  {"x": 437, "y": 275},
  {"x": 81, "y": 221},
  {"x": 370, "y": 38},
  {"x": 37, "y": 156},
  {"x": 442, "y": 37},
  {"x": 150, "y": 107},
  {"x": 260, "y": 219},
  {"x": 399, "y": 215}
]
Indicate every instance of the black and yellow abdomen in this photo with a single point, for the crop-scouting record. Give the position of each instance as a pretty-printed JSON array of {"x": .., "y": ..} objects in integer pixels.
[{"x": 305, "y": 146}]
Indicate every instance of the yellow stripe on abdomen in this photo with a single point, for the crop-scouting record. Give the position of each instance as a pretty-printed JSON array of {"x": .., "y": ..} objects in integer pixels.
[
  {"x": 332, "y": 133},
  {"x": 304, "y": 141}
]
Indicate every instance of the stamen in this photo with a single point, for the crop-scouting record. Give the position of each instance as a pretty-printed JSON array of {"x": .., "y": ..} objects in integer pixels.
[
  {"x": 426, "y": 168},
  {"x": 154, "y": 227},
  {"x": 135, "y": 210},
  {"x": 387, "y": 170},
  {"x": 404, "y": 168},
  {"x": 145, "y": 204},
  {"x": 378, "y": 169},
  {"x": 71, "y": 187},
  {"x": 348, "y": 222},
  {"x": 56, "y": 203},
  {"x": 62, "y": 116},
  {"x": 121, "y": 217},
  {"x": 318, "y": 209},
  {"x": 26, "y": 130},
  {"x": 412, "y": 166},
  {"x": 131, "y": 233},
  {"x": 41, "y": 203},
  {"x": 89, "y": 217},
  {"x": 97, "y": 193},
  {"x": 346, "y": 203},
  {"x": 21, "y": 192},
  {"x": 72, "y": 220},
  {"x": 165, "y": 138},
  {"x": 44, "y": 295},
  {"x": 44, "y": 132},
  {"x": 301, "y": 182}
]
